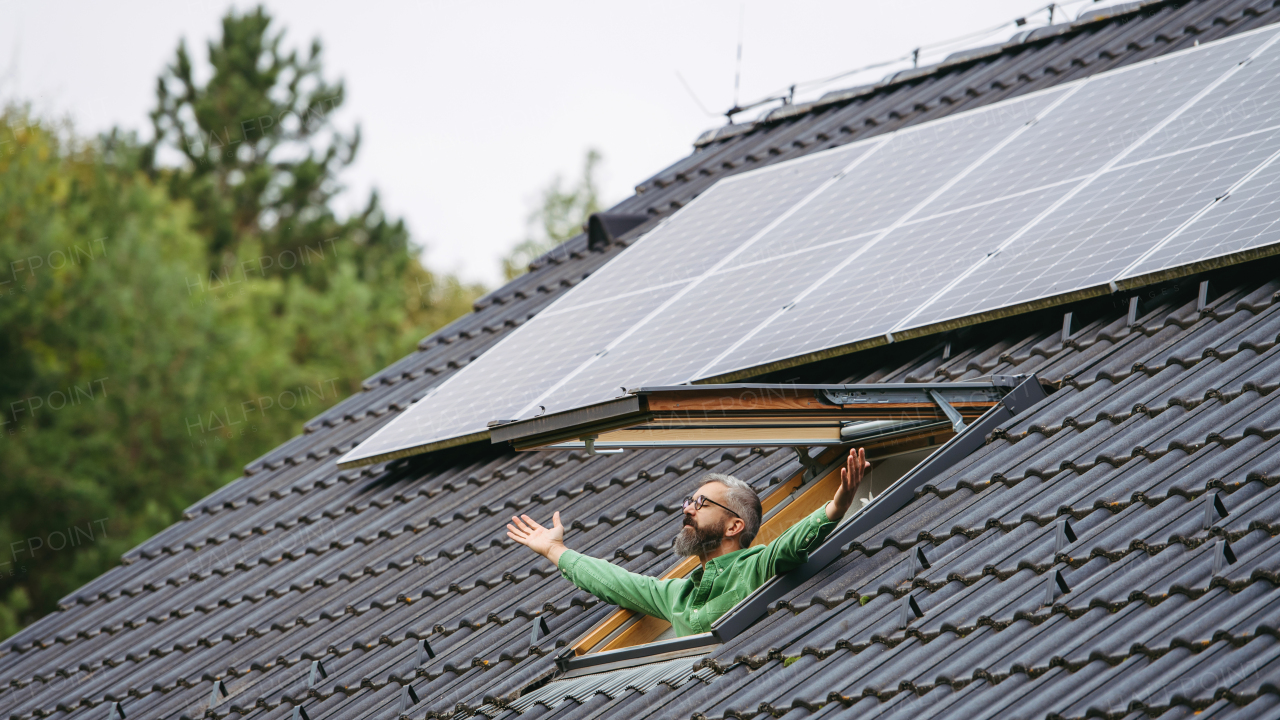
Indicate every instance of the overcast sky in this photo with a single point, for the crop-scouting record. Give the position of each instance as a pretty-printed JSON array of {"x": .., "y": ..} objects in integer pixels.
[{"x": 468, "y": 109}]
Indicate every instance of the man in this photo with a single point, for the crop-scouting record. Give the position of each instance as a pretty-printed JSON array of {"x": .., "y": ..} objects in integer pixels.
[{"x": 718, "y": 524}]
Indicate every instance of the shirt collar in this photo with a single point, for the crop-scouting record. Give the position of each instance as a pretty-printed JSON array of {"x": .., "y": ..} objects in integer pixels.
[{"x": 725, "y": 559}]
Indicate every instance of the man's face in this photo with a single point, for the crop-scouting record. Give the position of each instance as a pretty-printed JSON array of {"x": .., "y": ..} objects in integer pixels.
[{"x": 703, "y": 529}]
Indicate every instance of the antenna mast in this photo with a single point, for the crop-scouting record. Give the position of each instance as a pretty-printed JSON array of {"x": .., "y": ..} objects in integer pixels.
[{"x": 737, "y": 70}]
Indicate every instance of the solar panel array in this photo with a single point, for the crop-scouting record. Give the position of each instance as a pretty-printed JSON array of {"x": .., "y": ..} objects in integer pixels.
[{"x": 1117, "y": 176}]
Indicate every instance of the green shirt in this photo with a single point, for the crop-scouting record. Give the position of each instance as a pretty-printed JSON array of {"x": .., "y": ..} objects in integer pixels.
[{"x": 693, "y": 603}]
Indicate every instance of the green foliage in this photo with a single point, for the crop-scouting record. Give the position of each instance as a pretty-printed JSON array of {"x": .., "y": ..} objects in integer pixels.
[
  {"x": 261, "y": 153},
  {"x": 163, "y": 324},
  {"x": 109, "y": 353},
  {"x": 560, "y": 215}
]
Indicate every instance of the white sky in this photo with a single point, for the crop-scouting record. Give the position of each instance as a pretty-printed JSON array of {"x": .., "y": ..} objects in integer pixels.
[{"x": 468, "y": 109}]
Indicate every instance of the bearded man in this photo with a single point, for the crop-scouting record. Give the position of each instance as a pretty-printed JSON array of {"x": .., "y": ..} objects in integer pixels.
[{"x": 717, "y": 526}]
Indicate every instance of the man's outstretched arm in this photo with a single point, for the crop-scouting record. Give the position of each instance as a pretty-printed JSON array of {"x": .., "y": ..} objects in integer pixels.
[
  {"x": 603, "y": 579},
  {"x": 791, "y": 549}
]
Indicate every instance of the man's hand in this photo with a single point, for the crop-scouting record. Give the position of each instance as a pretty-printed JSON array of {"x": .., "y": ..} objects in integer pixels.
[
  {"x": 850, "y": 476},
  {"x": 547, "y": 542}
]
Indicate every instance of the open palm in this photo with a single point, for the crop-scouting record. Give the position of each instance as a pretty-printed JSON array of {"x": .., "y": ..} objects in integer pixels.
[
  {"x": 856, "y": 466},
  {"x": 540, "y": 539}
]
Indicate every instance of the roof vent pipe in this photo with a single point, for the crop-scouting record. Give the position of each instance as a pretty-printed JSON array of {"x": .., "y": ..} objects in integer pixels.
[{"x": 605, "y": 228}]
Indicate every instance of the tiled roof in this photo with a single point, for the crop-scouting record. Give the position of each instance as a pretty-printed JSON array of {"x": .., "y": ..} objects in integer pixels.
[{"x": 298, "y": 561}]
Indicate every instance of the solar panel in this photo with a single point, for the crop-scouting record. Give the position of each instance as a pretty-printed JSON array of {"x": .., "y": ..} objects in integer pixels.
[
  {"x": 884, "y": 285},
  {"x": 512, "y": 378},
  {"x": 1102, "y": 229},
  {"x": 1248, "y": 102},
  {"x": 1160, "y": 173},
  {"x": 1245, "y": 219},
  {"x": 1126, "y": 173}
]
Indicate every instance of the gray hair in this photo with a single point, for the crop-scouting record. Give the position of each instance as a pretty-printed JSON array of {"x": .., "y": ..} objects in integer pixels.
[{"x": 744, "y": 501}]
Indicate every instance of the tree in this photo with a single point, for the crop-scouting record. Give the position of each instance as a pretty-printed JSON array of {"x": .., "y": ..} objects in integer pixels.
[
  {"x": 257, "y": 153},
  {"x": 261, "y": 151},
  {"x": 560, "y": 215},
  {"x": 174, "y": 309},
  {"x": 105, "y": 358}
]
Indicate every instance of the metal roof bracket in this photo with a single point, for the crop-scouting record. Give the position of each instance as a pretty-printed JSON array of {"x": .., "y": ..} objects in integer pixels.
[
  {"x": 1054, "y": 583},
  {"x": 1223, "y": 556},
  {"x": 219, "y": 689},
  {"x": 1213, "y": 506},
  {"x": 116, "y": 712},
  {"x": 909, "y": 608},
  {"x": 957, "y": 421},
  {"x": 921, "y": 561},
  {"x": 317, "y": 672},
  {"x": 425, "y": 652},
  {"x": 540, "y": 630},
  {"x": 1063, "y": 536},
  {"x": 916, "y": 563},
  {"x": 1202, "y": 300},
  {"x": 408, "y": 698}
]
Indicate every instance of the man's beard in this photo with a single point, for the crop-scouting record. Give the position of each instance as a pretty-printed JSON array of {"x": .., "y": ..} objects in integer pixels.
[{"x": 695, "y": 541}]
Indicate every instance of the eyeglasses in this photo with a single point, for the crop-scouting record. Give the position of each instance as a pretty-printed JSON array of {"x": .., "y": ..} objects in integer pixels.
[{"x": 698, "y": 502}]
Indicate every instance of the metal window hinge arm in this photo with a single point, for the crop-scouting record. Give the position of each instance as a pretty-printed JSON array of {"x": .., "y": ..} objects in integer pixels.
[
  {"x": 590, "y": 442},
  {"x": 812, "y": 468},
  {"x": 957, "y": 422}
]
